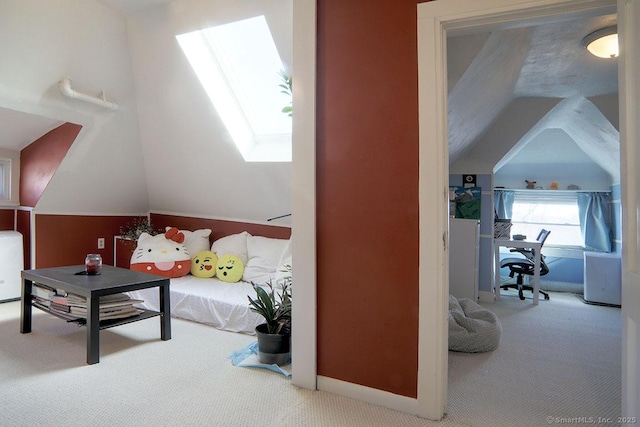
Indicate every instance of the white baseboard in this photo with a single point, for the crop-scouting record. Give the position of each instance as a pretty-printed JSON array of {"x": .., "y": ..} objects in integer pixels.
[
  {"x": 554, "y": 285},
  {"x": 369, "y": 395},
  {"x": 487, "y": 297}
]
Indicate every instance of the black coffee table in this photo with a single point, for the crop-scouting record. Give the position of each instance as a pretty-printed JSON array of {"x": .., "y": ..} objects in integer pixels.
[{"x": 112, "y": 280}]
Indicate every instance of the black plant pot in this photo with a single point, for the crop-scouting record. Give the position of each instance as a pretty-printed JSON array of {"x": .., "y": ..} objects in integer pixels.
[{"x": 273, "y": 348}]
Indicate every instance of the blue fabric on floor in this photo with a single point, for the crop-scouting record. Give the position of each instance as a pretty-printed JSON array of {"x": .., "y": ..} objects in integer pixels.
[{"x": 248, "y": 357}]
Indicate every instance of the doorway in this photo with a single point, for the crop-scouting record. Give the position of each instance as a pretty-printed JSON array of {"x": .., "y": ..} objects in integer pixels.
[{"x": 435, "y": 20}]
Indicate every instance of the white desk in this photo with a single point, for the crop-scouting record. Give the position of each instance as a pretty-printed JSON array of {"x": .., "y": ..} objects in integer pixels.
[{"x": 526, "y": 244}]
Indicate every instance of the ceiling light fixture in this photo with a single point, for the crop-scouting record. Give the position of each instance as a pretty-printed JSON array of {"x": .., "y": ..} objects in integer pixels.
[{"x": 603, "y": 43}]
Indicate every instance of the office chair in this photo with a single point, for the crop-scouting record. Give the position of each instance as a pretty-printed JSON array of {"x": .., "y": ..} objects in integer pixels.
[{"x": 522, "y": 266}]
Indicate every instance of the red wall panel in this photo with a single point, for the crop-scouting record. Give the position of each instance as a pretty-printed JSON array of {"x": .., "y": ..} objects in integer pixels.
[
  {"x": 219, "y": 228},
  {"x": 6, "y": 219},
  {"x": 367, "y": 193},
  {"x": 67, "y": 239},
  {"x": 40, "y": 160}
]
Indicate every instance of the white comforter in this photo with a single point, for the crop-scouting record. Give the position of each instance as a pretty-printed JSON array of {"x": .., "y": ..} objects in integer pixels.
[{"x": 210, "y": 301}]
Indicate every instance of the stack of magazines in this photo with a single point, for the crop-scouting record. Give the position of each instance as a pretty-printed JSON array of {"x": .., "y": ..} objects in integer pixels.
[{"x": 74, "y": 307}]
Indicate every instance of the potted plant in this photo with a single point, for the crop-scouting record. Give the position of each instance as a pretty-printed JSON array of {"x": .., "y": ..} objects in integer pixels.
[
  {"x": 129, "y": 233},
  {"x": 132, "y": 230},
  {"x": 286, "y": 87},
  {"x": 274, "y": 336}
]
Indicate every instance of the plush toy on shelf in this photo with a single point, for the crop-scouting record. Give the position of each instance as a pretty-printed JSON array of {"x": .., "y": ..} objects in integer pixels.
[{"x": 531, "y": 184}]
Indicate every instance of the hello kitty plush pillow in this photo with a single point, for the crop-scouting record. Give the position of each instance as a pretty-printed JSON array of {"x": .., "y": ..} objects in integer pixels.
[
  {"x": 195, "y": 241},
  {"x": 164, "y": 254}
]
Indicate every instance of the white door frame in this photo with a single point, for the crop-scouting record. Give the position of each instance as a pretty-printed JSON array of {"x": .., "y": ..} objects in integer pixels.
[
  {"x": 629, "y": 90},
  {"x": 435, "y": 18},
  {"x": 303, "y": 196}
]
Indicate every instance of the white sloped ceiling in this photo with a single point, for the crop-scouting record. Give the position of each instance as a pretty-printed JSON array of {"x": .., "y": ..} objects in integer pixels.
[
  {"x": 192, "y": 165},
  {"x": 103, "y": 171},
  {"x": 543, "y": 75}
]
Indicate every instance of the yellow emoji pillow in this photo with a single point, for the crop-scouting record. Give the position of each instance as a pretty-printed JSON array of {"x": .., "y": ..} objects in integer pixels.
[
  {"x": 204, "y": 264},
  {"x": 229, "y": 268}
]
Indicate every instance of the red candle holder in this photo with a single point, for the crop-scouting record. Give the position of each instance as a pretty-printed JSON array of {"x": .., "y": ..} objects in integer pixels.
[{"x": 93, "y": 264}]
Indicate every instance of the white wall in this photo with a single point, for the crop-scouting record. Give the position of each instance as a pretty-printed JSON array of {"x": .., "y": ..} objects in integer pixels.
[
  {"x": 538, "y": 161},
  {"x": 192, "y": 166},
  {"x": 506, "y": 130},
  {"x": 14, "y": 157},
  {"x": 555, "y": 151},
  {"x": 44, "y": 41}
]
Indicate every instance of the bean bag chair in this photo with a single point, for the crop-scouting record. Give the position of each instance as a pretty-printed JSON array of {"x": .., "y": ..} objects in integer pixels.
[{"x": 472, "y": 328}]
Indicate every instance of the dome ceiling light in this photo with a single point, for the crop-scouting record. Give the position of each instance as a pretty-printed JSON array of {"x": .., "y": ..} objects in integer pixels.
[{"x": 603, "y": 43}]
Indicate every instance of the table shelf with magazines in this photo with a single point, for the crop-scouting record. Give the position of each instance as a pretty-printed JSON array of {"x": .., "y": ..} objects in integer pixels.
[{"x": 95, "y": 301}]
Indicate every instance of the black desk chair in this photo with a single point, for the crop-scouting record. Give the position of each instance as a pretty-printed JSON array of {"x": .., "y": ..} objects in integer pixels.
[{"x": 522, "y": 266}]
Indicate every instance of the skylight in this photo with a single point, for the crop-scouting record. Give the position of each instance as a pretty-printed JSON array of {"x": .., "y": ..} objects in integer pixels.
[{"x": 239, "y": 67}]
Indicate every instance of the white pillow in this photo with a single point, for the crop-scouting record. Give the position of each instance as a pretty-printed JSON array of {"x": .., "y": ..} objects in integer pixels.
[
  {"x": 235, "y": 244},
  {"x": 195, "y": 241},
  {"x": 264, "y": 255},
  {"x": 285, "y": 259}
]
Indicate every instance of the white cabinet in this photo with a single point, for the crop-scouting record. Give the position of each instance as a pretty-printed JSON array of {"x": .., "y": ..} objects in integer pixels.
[
  {"x": 464, "y": 242},
  {"x": 11, "y": 265},
  {"x": 602, "y": 278}
]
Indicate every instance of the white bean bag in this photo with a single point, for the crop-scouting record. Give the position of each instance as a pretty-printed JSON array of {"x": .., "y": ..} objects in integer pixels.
[{"x": 472, "y": 328}]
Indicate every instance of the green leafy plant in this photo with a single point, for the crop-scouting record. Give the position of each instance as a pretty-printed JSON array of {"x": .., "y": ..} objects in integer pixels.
[
  {"x": 133, "y": 229},
  {"x": 274, "y": 305},
  {"x": 287, "y": 88}
]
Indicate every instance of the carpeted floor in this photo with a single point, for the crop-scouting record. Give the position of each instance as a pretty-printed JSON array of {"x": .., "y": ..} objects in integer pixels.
[
  {"x": 560, "y": 360},
  {"x": 557, "y": 363},
  {"x": 143, "y": 381}
]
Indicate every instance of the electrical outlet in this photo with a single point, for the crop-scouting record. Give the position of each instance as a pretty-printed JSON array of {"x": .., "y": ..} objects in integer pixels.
[{"x": 100, "y": 242}]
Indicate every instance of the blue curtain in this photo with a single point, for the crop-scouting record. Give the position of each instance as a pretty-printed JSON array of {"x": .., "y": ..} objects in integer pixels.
[
  {"x": 595, "y": 220},
  {"x": 503, "y": 203}
]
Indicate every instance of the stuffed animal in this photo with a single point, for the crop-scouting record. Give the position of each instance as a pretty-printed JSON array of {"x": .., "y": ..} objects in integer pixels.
[
  {"x": 203, "y": 264},
  {"x": 531, "y": 184},
  {"x": 230, "y": 268},
  {"x": 164, "y": 254},
  {"x": 195, "y": 241}
]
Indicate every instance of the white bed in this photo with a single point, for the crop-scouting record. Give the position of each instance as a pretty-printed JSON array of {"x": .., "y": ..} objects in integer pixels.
[
  {"x": 210, "y": 301},
  {"x": 222, "y": 304}
]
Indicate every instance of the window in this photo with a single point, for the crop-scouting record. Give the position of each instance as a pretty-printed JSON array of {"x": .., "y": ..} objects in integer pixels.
[
  {"x": 5, "y": 179},
  {"x": 558, "y": 212},
  {"x": 239, "y": 67}
]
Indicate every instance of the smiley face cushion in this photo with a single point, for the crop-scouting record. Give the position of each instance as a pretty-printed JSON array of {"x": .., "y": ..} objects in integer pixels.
[
  {"x": 229, "y": 268},
  {"x": 164, "y": 254},
  {"x": 203, "y": 264}
]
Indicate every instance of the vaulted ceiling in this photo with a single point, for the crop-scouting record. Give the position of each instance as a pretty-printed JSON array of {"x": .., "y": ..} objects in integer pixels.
[{"x": 488, "y": 70}]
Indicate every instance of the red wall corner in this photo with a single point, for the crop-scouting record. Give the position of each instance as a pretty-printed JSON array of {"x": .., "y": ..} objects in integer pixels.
[{"x": 40, "y": 160}]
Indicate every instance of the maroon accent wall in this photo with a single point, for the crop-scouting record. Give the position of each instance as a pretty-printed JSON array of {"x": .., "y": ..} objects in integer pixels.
[
  {"x": 219, "y": 228},
  {"x": 367, "y": 193},
  {"x": 123, "y": 252},
  {"x": 40, "y": 160},
  {"x": 67, "y": 239},
  {"x": 6, "y": 219}
]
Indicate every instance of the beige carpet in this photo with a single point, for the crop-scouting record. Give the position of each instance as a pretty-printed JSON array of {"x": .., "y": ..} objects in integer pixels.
[
  {"x": 560, "y": 359},
  {"x": 143, "y": 381},
  {"x": 557, "y": 363}
]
